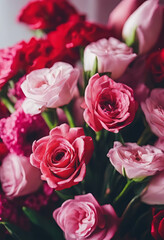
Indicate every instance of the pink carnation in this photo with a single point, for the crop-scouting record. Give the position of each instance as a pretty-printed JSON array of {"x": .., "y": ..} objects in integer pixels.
[
  {"x": 20, "y": 130},
  {"x": 9, "y": 63},
  {"x": 137, "y": 161},
  {"x": 83, "y": 218}
]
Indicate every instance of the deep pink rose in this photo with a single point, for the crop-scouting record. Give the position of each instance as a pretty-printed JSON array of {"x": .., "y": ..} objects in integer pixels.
[
  {"x": 110, "y": 54},
  {"x": 49, "y": 88},
  {"x": 157, "y": 226},
  {"x": 154, "y": 192},
  {"x": 137, "y": 161},
  {"x": 120, "y": 14},
  {"x": 62, "y": 156},
  {"x": 18, "y": 177},
  {"x": 153, "y": 108},
  {"x": 108, "y": 104},
  {"x": 146, "y": 22},
  {"x": 83, "y": 218}
]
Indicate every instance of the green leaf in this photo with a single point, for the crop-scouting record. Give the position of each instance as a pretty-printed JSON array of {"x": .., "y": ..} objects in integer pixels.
[
  {"x": 63, "y": 196},
  {"x": 132, "y": 40},
  {"x": 105, "y": 73},
  {"x": 16, "y": 232},
  {"x": 95, "y": 68},
  {"x": 49, "y": 226}
]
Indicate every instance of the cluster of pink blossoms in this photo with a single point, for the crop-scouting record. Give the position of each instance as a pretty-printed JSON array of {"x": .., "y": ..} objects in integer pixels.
[{"x": 65, "y": 126}]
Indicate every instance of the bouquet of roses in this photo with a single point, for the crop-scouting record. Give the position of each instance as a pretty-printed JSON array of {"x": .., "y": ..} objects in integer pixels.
[{"x": 82, "y": 125}]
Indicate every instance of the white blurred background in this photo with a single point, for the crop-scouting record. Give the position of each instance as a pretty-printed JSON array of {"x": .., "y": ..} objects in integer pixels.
[{"x": 11, "y": 31}]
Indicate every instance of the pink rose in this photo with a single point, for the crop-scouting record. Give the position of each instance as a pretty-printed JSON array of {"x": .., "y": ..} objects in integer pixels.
[
  {"x": 153, "y": 108},
  {"x": 49, "y": 88},
  {"x": 62, "y": 156},
  {"x": 160, "y": 143},
  {"x": 83, "y": 218},
  {"x": 18, "y": 177},
  {"x": 137, "y": 161},
  {"x": 146, "y": 22},
  {"x": 110, "y": 53},
  {"x": 108, "y": 104},
  {"x": 120, "y": 14},
  {"x": 154, "y": 192}
]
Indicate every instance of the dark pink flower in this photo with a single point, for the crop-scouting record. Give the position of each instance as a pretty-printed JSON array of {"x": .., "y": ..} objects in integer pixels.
[
  {"x": 19, "y": 130},
  {"x": 108, "y": 104},
  {"x": 83, "y": 218},
  {"x": 62, "y": 156}
]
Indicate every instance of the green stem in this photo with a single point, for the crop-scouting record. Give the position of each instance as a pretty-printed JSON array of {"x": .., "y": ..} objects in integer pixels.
[
  {"x": 8, "y": 104},
  {"x": 146, "y": 135},
  {"x": 69, "y": 116},
  {"x": 118, "y": 137},
  {"x": 127, "y": 187},
  {"x": 50, "y": 117}
]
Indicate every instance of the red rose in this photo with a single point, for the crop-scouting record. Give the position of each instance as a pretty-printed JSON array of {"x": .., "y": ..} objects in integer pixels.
[
  {"x": 9, "y": 63},
  {"x": 62, "y": 156},
  {"x": 108, "y": 104},
  {"x": 46, "y": 15},
  {"x": 76, "y": 33},
  {"x": 155, "y": 66},
  {"x": 157, "y": 227}
]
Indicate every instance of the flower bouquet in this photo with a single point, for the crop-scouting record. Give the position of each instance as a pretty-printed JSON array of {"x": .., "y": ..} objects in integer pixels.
[{"x": 82, "y": 125}]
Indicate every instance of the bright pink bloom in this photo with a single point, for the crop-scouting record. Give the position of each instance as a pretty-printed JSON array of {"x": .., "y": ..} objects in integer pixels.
[
  {"x": 18, "y": 177},
  {"x": 120, "y": 14},
  {"x": 154, "y": 192},
  {"x": 49, "y": 88},
  {"x": 108, "y": 104},
  {"x": 20, "y": 130},
  {"x": 137, "y": 161},
  {"x": 153, "y": 108},
  {"x": 147, "y": 21},
  {"x": 46, "y": 15},
  {"x": 110, "y": 54},
  {"x": 62, "y": 156},
  {"x": 84, "y": 218}
]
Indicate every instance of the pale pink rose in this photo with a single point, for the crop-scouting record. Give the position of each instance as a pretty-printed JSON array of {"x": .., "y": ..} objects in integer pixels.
[
  {"x": 154, "y": 192},
  {"x": 160, "y": 143},
  {"x": 113, "y": 56},
  {"x": 147, "y": 21},
  {"x": 120, "y": 14},
  {"x": 83, "y": 218},
  {"x": 108, "y": 104},
  {"x": 137, "y": 161},
  {"x": 49, "y": 88},
  {"x": 18, "y": 177},
  {"x": 62, "y": 156},
  {"x": 153, "y": 108}
]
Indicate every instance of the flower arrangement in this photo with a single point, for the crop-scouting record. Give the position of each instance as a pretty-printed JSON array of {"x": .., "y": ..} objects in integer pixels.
[{"x": 82, "y": 125}]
